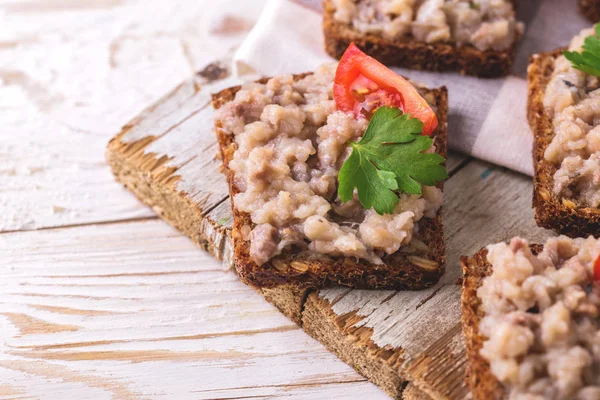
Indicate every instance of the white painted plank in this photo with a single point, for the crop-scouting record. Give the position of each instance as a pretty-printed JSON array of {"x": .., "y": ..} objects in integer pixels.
[
  {"x": 72, "y": 74},
  {"x": 332, "y": 391},
  {"x": 55, "y": 381},
  {"x": 57, "y": 176},
  {"x": 135, "y": 307}
]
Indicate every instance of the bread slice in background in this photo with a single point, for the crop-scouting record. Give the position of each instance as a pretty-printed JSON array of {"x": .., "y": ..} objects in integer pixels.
[
  {"x": 551, "y": 211},
  {"x": 481, "y": 381},
  {"x": 591, "y": 9},
  {"x": 409, "y": 53},
  {"x": 399, "y": 271}
]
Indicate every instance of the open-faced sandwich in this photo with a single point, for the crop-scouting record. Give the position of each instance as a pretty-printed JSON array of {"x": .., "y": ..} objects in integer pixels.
[
  {"x": 564, "y": 114},
  {"x": 591, "y": 9},
  {"x": 335, "y": 177},
  {"x": 476, "y": 37},
  {"x": 531, "y": 319}
]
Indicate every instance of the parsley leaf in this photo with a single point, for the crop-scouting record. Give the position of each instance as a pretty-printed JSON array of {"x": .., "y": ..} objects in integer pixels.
[
  {"x": 588, "y": 60},
  {"x": 374, "y": 186},
  {"x": 389, "y": 157}
]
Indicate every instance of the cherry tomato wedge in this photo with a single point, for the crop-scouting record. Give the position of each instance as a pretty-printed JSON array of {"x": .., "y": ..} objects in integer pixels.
[
  {"x": 362, "y": 84},
  {"x": 597, "y": 270}
]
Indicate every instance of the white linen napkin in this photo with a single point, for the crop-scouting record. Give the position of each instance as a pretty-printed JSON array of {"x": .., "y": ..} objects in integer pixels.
[{"x": 487, "y": 117}]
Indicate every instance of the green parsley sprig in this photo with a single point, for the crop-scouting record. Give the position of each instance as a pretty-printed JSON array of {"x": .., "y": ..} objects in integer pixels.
[
  {"x": 388, "y": 159},
  {"x": 588, "y": 60}
]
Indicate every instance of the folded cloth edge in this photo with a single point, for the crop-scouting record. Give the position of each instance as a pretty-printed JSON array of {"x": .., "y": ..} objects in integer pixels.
[{"x": 259, "y": 53}]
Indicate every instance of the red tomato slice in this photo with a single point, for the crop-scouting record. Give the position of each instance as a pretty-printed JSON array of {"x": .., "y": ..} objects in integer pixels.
[
  {"x": 597, "y": 270},
  {"x": 362, "y": 84}
]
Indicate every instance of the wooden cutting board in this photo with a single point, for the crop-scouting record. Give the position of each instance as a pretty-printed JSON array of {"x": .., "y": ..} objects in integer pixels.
[{"x": 167, "y": 158}]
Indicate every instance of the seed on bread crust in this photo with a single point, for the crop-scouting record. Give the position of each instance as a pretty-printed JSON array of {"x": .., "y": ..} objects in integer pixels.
[
  {"x": 280, "y": 265},
  {"x": 545, "y": 194},
  {"x": 419, "y": 244},
  {"x": 427, "y": 265},
  {"x": 300, "y": 266},
  {"x": 569, "y": 203}
]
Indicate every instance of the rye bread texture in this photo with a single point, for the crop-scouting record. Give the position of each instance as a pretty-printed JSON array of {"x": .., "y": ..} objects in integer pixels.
[
  {"x": 482, "y": 383},
  {"x": 591, "y": 9},
  {"x": 409, "y": 53},
  {"x": 304, "y": 269},
  {"x": 551, "y": 211},
  {"x": 479, "y": 377}
]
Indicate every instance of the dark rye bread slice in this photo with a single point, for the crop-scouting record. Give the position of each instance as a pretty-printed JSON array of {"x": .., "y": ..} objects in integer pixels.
[
  {"x": 551, "y": 211},
  {"x": 409, "y": 53},
  {"x": 591, "y": 9},
  {"x": 481, "y": 381},
  {"x": 400, "y": 271}
]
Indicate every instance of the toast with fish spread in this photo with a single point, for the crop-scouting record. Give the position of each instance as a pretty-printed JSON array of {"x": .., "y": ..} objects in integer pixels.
[
  {"x": 472, "y": 37},
  {"x": 530, "y": 320},
  {"x": 564, "y": 115},
  {"x": 331, "y": 183}
]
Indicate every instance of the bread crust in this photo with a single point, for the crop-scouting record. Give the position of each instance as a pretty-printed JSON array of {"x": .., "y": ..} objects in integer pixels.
[
  {"x": 479, "y": 377},
  {"x": 408, "y": 53},
  {"x": 482, "y": 383},
  {"x": 551, "y": 211},
  {"x": 591, "y": 9},
  {"x": 396, "y": 273}
]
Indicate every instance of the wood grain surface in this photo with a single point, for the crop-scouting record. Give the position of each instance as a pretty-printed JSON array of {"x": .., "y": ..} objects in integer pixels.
[{"x": 165, "y": 319}]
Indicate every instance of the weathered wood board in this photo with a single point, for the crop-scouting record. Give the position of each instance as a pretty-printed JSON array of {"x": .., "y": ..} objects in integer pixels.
[
  {"x": 167, "y": 158},
  {"x": 411, "y": 392}
]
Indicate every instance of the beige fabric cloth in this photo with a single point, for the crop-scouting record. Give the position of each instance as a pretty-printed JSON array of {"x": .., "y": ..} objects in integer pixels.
[{"x": 487, "y": 117}]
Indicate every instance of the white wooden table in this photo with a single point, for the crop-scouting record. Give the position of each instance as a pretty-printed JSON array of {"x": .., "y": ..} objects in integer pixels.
[
  {"x": 98, "y": 297},
  {"x": 101, "y": 299}
]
